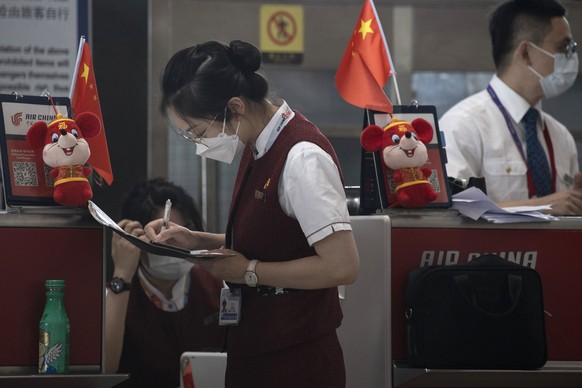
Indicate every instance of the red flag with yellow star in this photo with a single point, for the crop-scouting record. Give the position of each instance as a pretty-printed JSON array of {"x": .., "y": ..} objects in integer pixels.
[
  {"x": 84, "y": 97},
  {"x": 366, "y": 64}
]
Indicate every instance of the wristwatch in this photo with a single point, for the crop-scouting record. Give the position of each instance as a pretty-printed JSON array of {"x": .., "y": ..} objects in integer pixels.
[
  {"x": 251, "y": 278},
  {"x": 118, "y": 285}
]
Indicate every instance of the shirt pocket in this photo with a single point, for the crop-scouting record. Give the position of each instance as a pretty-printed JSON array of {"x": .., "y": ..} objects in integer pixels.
[{"x": 502, "y": 167}]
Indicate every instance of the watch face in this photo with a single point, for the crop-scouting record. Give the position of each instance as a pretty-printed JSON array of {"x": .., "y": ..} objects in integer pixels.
[
  {"x": 251, "y": 279},
  {"x": 116, "y": 285}
]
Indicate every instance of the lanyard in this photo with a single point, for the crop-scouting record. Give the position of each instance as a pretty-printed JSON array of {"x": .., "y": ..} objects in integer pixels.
[{"x": 519, "y": 145}]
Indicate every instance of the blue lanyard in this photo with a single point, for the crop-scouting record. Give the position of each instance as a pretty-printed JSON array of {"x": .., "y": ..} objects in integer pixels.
[
  {"x": 510, "y": 126},
  {"x": 513, "y": 132}
]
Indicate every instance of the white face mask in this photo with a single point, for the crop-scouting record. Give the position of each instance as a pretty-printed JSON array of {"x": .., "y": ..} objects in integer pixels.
[
  {"x": 563, "y": 76},
  {"x": 223, "y": 147},
  {"x": 165, "y": 267}
]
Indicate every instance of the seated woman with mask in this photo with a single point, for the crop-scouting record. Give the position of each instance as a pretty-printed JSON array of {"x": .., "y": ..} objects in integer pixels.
[{"x": 157, "y": 307}]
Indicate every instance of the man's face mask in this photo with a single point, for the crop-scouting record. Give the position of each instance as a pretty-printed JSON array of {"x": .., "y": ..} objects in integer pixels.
[
  {"x": 564, "y": 74},
  {"x": 223, "y": 147},
  {"x": 165, "y": 267}
]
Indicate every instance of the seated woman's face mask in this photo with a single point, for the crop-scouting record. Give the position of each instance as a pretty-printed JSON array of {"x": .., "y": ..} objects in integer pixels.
[{"x": 165, "y": 267}]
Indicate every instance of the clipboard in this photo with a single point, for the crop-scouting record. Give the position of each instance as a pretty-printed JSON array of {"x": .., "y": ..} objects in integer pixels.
[
  {"x": 377, "y": 182},
  {"x": 152, "y": 247},
  {"x": 26, "y": 178}
]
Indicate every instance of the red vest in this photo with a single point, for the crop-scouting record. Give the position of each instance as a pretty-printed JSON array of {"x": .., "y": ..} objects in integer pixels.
[
  {"x": 155, "y": 339},
  {"x": 259, "y": 229}
]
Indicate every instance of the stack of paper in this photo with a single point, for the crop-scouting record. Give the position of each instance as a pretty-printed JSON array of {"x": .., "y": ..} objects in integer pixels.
[{"x": 474, "y": 204}]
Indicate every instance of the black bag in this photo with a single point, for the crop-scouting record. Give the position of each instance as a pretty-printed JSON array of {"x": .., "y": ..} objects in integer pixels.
[{"x": 487, "y": 314}]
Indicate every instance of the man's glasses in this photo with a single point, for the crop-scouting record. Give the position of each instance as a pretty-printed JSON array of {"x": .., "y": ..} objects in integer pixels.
[
  {"x": 190, "y": 135},
  {"x": 570, "y": 49}
]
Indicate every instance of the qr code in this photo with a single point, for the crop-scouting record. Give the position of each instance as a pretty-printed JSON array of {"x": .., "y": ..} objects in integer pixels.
[
  {"x": 434, "y": 181},
  {"x": 50, "y": 182},
  {"x": 25, "y": 174}
]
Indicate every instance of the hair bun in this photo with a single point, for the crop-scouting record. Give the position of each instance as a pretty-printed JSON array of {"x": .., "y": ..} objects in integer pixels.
[{"x": 245, "y": 56}]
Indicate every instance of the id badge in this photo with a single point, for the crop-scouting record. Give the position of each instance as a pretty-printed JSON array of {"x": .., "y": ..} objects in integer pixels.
[{"x": 230, "y": 302}]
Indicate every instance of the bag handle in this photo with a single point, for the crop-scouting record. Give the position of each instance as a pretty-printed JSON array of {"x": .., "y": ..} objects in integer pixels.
[{"x": 466, "y": 288}]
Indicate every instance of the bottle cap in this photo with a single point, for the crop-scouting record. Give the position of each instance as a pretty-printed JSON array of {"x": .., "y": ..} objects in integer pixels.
[{"x": 54, "y": 283}]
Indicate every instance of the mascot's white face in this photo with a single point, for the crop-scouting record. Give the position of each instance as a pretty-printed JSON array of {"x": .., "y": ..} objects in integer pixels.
[
  {"x": 405, "y": 151},
  {"x": 65, "y": 146}
]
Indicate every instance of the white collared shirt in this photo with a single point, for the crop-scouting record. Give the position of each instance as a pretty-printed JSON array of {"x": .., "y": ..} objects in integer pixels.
[
  {"x": 310, "y": 189},
  {"x": 179, "y": 293},
  {"x": 479, "y": 143}
]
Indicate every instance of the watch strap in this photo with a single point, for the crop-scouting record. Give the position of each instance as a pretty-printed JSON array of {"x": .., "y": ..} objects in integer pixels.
[{"x": 252, "y": 265}]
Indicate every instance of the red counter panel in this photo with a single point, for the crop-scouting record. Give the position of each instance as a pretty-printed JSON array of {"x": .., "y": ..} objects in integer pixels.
[
  {"x": 29, "y": 256},
  {"x": 555, "y": 254}
]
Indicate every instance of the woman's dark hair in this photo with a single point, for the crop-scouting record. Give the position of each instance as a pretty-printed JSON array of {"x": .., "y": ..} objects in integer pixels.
[
  {"x": 517, "y": 20},
  {"x": 145, "y": 200},
  {"x": 198, "y": 81}
]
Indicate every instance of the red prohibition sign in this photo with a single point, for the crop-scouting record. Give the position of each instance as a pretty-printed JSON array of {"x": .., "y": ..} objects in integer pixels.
[{"x": 282, "y": 28}]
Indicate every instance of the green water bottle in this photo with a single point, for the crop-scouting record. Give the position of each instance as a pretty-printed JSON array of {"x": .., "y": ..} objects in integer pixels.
[{"x": 53, "y": 340}]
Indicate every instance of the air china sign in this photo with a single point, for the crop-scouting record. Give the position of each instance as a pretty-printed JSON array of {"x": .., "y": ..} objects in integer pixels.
[
  {"x": 525, "y": 258},
  {"x": 553, "y": 253}
]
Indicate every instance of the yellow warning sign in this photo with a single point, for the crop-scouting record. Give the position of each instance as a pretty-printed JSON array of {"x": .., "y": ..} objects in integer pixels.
[{"x": 282, "y": 31}]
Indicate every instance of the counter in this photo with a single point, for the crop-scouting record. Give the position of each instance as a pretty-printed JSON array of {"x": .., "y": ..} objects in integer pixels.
[
  {"x": 393, "y": 244},
  {"x": 41, "y": 244}
]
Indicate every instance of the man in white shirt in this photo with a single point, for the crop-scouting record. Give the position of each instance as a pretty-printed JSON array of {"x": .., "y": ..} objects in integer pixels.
[{"x": 535, "y": 56}]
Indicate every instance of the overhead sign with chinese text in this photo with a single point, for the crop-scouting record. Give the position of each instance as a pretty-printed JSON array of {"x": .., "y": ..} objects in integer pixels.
[{"x": 38, "y": 44}]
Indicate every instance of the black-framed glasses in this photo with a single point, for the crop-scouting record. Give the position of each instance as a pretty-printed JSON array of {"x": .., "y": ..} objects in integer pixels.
[
  {"x": 189, "y": 133},
  {"x": 570, "y": 49}
]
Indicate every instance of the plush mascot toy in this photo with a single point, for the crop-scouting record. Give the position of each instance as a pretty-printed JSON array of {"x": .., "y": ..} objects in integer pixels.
[
  {"x": 65, "y": 149},
  {"x": 404, "y": 151}
]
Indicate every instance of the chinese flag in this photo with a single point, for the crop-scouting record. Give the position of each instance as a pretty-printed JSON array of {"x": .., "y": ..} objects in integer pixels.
[
  {"x": 84, "y": 97},
  {"x": 366, "y": 64}
]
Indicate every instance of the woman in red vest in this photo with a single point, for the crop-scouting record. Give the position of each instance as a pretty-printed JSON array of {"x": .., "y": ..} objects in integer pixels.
[
  {"x": 157, "y": 307},
  {"x": 288, "y": 229}
]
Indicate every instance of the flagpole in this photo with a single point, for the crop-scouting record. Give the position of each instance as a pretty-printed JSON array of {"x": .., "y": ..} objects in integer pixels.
[
  {"x": 393, "y": 69},
  {"x": 76, "y": 70},
  {"x": 368, "y": 121},
  {"x": 396, "y": 89}
]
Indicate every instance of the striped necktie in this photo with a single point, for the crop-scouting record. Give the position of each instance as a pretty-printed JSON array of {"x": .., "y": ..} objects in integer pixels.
[{"x": 537, "y": 161}]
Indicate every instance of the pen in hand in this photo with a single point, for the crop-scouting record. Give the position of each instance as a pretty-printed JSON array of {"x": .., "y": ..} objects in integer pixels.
[{"x": 166, "y": 217}]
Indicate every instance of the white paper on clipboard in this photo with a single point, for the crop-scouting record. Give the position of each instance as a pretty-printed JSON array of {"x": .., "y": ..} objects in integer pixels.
[{"x": 152, "y": 247}]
